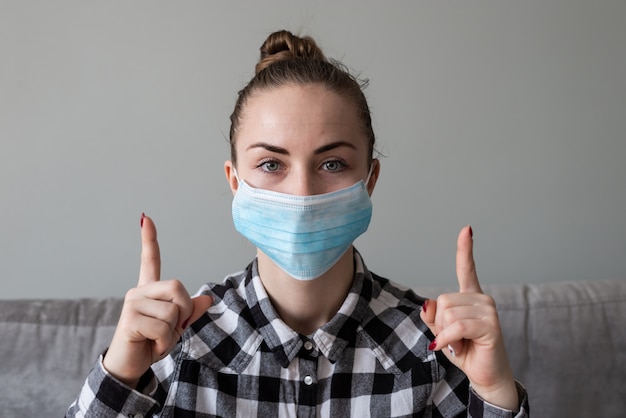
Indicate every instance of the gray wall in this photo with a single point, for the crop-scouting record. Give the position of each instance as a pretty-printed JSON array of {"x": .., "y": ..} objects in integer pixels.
[{"x": 509, "y": 116}]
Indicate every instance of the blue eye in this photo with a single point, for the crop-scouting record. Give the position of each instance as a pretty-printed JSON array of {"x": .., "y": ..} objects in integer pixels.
[
  {"x": 270, "y": 165},
  {"x": 333, "y": 165}
]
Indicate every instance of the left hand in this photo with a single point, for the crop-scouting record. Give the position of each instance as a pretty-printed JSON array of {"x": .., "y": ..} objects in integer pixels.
[{"x": 467, "y": 329}]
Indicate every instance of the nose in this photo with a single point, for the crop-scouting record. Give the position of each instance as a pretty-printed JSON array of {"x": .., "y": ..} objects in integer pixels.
[{"x": 302, "y": 183}]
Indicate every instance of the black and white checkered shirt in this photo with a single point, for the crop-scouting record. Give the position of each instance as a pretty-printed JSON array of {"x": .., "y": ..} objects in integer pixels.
[{"x": 240, "y": 359}]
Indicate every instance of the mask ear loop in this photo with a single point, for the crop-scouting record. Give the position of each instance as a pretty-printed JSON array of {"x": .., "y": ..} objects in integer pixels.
[
  {"x": 236, "y": 175},
  {"x": 369, "y": 174}
]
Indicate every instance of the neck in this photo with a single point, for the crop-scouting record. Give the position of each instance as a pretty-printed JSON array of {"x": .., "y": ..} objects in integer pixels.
[{"x": 306, "y": 305}]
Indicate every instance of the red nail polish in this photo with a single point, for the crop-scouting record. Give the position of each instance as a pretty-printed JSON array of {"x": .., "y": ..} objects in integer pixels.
[
  {"x": 432, "y": 345},
  {"x": 185, "y": 324},
  {"x": 143, "y": 215},
  {"x": 471, "y": 232},
  {"x": 425, "y": 305}
]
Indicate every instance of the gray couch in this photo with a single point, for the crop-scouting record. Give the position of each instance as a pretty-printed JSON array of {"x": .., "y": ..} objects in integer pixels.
[{"x": 566, "y": 343}]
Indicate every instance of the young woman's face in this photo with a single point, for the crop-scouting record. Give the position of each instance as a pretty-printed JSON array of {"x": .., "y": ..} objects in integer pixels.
[{"x": 300, "y": 140}]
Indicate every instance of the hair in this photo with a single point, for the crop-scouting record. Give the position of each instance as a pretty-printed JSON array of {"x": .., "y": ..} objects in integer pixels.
[{"x": 290, "y": 59}]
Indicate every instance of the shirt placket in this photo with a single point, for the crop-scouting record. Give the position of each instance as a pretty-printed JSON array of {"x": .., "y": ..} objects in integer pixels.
[{"x": 307, "y": 393}]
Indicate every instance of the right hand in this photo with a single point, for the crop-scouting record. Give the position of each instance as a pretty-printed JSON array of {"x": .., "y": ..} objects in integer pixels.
[{"x": 154, "y": 316}]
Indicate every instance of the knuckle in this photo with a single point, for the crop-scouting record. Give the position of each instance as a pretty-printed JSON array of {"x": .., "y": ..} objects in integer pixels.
[
  {"x": 164, "y": 331},
  {"x": 177, "y": 290},
  {"x": 174, "y": 288},
  {"x": 131, "y": 295},
  {"x": 178, "y": 285},
  {"x": 443, "y": 301},
  {"x": 487, "y": 300},
  {"x": 449, "y": 316},
  {"x": 173, "y": 285},
  {"x": 171, "y": 312},
  {"x": 462, "y": 327}
]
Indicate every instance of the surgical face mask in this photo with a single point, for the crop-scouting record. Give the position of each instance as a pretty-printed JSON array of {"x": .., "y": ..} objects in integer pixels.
[{"x": 304, "y": 235}]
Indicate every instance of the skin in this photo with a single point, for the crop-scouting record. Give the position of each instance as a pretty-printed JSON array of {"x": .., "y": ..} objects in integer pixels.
[
  {"x": 154, "y": 315},
  {"x": 468, "y": 322},
  {"x": 302, "y": 141},
  {"x": 307, "y": 140}
]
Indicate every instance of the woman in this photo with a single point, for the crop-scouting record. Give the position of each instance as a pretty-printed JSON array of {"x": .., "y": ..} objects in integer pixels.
[{"x": 305, "y": 329}]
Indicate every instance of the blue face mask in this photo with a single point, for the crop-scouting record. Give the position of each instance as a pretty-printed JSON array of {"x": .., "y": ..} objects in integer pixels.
[{"x": 304, "y": 235}]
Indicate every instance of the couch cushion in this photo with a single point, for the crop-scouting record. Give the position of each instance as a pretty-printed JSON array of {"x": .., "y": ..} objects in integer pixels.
[
  {"x": 46, "y": 350},
  {"x": 568, "y": 344}
]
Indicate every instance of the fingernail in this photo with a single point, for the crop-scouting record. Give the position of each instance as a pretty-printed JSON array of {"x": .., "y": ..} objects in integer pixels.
[
  {"x": 143, "y": 216},
  {"x": 185, "y": 323},
  {"x": 425, "y": 305},
  {"x": 432, "y": 345},
  {"x": 471, "y": 232}
]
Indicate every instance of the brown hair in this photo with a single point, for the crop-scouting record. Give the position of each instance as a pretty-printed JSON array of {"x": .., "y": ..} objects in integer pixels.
[{"x": 286, "y": 58}]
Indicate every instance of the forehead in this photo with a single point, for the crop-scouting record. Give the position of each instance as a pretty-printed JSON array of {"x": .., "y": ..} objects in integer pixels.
[{"x": 299, "y": 111}]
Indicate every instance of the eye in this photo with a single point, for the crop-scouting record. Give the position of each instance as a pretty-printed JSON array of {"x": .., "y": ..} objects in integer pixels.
[
  {"x": 269, "y": 165},
  {"x": 333, "y": 165}
]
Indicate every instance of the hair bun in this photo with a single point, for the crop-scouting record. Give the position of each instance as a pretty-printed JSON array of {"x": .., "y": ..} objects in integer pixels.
[{"x": 283, "y": 45}]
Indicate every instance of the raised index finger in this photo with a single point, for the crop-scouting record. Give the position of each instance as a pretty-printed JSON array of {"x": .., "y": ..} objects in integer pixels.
[
  {"x": 465, "y": 266},
  {"x": 150, "y": 269}
]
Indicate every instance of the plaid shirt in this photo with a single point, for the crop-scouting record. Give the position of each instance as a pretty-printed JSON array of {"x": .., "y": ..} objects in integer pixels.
[{"x": 241, "y": 359}]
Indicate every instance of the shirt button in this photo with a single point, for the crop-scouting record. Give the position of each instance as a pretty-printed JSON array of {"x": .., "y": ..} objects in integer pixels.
[
  {"x": 308, "y": 380},
  {"x": 308, "y": 345}
]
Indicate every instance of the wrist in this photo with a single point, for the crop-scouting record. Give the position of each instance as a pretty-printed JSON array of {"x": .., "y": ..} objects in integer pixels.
[
  {"x": 109, "y": 368},
  {"x": 504, "y": 395}
]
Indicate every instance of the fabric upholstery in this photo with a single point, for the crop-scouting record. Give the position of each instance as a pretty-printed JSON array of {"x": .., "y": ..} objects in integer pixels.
[
  {"x": 47, "y": 347},
  {"x": 566, "y": 342}
]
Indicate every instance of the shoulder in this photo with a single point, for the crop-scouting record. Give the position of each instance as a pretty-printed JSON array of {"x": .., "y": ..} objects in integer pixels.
[
  {"x": 392, "y": 301},
  {"x": 230, "y": 291},
  {"x": 231, "y": 302},
  {"x": 223, "y": 334},
  {"x": 389, "y": 295},
  {"x": 383, "y": 293},
  {"x": 393, "y": 325}
]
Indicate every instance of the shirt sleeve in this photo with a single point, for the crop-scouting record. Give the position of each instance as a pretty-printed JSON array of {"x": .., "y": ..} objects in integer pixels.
[
  {"x": 478, "y": 407},
  {"x": 103, "y": 395},
  {"x": 454, "y": 395}
]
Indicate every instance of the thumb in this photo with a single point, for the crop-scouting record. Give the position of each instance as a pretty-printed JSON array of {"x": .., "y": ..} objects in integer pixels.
[
  {"x": 465, "y": 266},
  {"x": 150, "y": 268},
  {"x": 428, "y": 314},
  {"x": 200, "y": 305}
]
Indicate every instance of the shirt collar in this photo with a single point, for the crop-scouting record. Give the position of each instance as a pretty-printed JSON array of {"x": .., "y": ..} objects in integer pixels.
[{"x": 331, "y": 338}]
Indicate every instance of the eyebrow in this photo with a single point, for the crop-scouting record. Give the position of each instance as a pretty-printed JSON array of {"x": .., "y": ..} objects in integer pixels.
[
  {"x": 320, "y": 150},
  {"x": 269, "y": 147}
]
